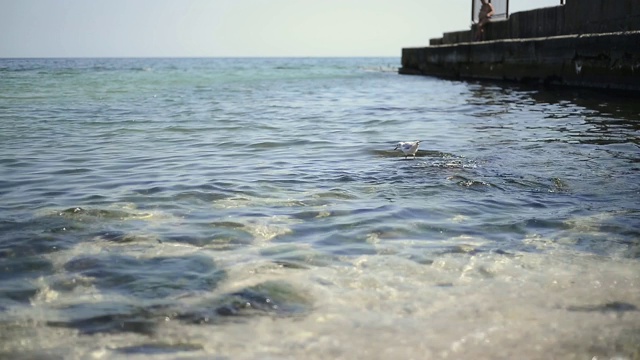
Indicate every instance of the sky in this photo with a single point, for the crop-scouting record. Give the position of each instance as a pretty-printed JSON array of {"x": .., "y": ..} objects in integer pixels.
[{"x": 229, "y": 28}]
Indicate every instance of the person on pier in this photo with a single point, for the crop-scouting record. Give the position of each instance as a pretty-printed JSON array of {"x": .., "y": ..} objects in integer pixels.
[{"x": 484, "y": 15}]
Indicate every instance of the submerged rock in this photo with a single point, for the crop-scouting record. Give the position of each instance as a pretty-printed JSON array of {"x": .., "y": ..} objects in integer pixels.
[
  {"x": 114, "y": 236},
  {"x": 298, "y": 257},
  {"x": 271, "y": 298},
  {"x": 81, "y": 214},
  {"x": 148, "y": 278},
  {"x": 158, "y": 349},
  {"x": 615, "y": 306},
  {"x": 274, "y": 298},
  {"x": 107, "y": 317},
  {"x": 108, "y": 324}
]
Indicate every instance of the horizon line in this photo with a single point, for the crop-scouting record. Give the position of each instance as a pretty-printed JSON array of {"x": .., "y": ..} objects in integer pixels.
[{"x": 204, "y": 57}]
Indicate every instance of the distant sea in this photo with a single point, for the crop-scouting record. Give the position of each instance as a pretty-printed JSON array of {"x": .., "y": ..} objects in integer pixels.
[{"x": 256, "y": 209}]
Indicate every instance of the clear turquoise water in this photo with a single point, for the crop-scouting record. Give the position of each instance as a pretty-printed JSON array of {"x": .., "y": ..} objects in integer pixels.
[{"x": 255, "y": 208}]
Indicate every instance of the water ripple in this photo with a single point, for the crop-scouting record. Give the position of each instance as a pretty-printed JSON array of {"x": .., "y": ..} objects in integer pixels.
[{"x": 158, "y": 196}]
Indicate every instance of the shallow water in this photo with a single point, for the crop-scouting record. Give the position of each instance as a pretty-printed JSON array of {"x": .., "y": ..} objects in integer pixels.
[{"x": 255, "y": 208}]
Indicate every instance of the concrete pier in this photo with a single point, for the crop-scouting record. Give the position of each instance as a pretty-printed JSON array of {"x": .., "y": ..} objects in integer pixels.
[{"x": 597, "y": 46}]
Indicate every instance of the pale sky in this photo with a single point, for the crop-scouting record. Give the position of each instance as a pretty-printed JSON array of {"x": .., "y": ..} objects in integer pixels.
[{"x": 216, "y": 28}]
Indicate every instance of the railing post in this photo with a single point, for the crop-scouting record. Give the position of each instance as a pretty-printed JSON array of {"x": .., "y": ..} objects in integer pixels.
[{"x": 473, "y": 4}]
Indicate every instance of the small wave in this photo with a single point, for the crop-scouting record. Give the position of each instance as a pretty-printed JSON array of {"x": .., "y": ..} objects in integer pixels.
[
  {"x": 269, "y": 145},
  {"x": 297, "y": 256},
  {"x": 420, "y": 153},
  {"x": 471, "y": 183},
  {"x": 228, "y": 224},
  {"x": 336, "y": 194},
  {"x": 552, "y": 185},
  {"x": 199, "y": 195},
  {"x": 381, "y": 69},
  {"x": 261, "y": 145},
  {"x": 72, "y": 171}
]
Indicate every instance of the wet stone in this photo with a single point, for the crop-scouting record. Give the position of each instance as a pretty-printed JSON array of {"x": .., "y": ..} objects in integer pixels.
[
  {"x": 422, "y": 259},
  {"x": 444, "y": 284},
  {"x": 72, "y": 210},
  {"x": 615, "y": 306},
  {"x": 270, "y": 297},
  {"x": 114, "y": 236},
  {"x": 107, "y": 317},
  {"x": 235, "y": 239},
  {"x": 60, "y": 283},
  {"x": 187, "y": 239},
  {"x": 502, "y": 252},
  {"x": 274, "y": 298},
  {"x": 290, "y": 264},
  {"x": 227, "y": 224},
  {"x": 464, "y": 249},
  {"x": 158, "y": 349},
  {"x": 292, "y": 256},
  {"x": 110, "y": 323},
  {"x": 80, "y": 214}
]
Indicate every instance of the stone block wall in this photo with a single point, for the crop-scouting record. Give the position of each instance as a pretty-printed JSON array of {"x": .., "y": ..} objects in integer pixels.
[
  {"x": 606, "y": 61},
  {"x": 598, "y": 16},
  {"x": 576, "y": 17},
  {"x": 542, "y": 22}
]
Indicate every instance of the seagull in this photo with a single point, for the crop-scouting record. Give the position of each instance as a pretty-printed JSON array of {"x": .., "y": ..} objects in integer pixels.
[{"x": 408, "y": 148}]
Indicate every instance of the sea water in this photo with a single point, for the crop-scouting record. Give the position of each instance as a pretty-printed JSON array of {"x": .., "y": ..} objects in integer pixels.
[{"x": 256, "y": 209}]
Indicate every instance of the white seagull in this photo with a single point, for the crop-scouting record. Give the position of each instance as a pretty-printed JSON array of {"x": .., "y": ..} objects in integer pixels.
[{"x": 408, "y": 148}]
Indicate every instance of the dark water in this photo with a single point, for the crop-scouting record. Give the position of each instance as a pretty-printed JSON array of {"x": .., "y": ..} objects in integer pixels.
[{"x": 255, "y": 208}]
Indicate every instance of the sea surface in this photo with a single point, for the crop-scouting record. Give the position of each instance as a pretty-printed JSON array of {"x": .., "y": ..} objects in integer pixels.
[{"x": 256, "y": 209}]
